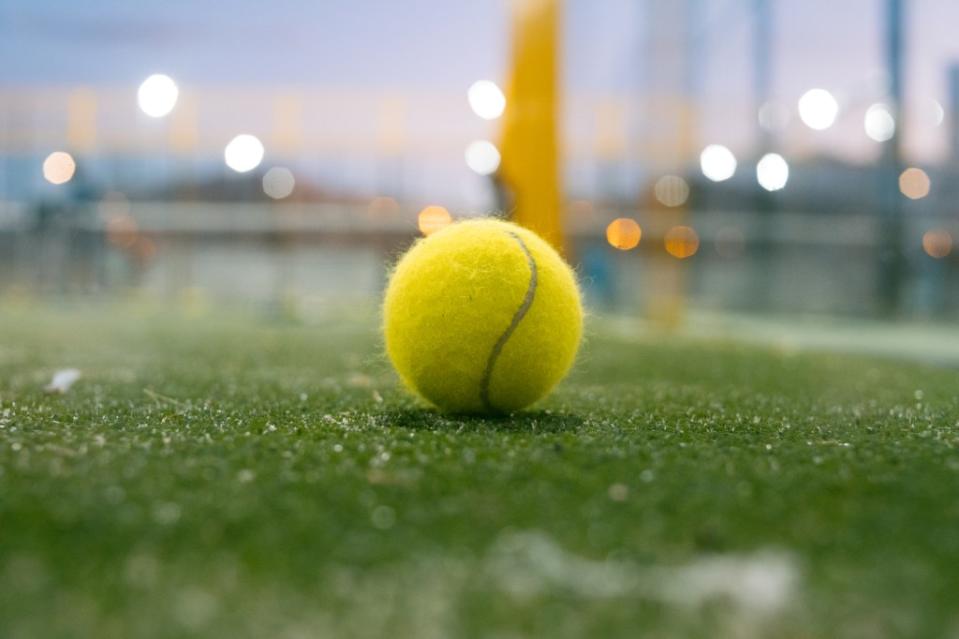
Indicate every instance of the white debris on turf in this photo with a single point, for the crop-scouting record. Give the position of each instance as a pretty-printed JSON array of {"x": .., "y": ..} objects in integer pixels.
[
  {"x": 762, "y": 582},
  {"x": 62, "y": 380}
]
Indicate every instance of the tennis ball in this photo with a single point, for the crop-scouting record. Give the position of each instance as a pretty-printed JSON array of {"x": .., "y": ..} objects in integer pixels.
[{"x": 482, "y": 316}]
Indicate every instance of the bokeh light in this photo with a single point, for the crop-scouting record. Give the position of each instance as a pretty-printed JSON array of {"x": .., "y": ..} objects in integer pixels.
[
  {"x": 486, "y": 99},
  {"x": 483, "y": 157},
  {"x": 681, "y": 242},
  {"x": 59, "y": 167},
  {"x": 936, "y": 113},
  {"x": 818, "y": 109},
  {"x": 157, "y": 95},
  {"x": 278, "y": 182},
  {"x": 937, "y": 243},
  {"x": 914, "y": 183},
  {"x": 772, "y": 172},
  {"x": 244, "y": 153},
  {"x": 433, "y": 218},
  {"x": 879, "y": 123},
  {"x": 623, "y": 233},
  {"x": 717, "y": 162},
  {"x": 671, "y": 190}
]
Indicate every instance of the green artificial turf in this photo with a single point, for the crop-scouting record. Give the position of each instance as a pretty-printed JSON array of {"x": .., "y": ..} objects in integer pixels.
[{"x": 244, "y": 477}]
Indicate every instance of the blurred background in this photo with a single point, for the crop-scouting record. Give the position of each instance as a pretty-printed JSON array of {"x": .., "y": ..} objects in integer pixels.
[{"x": 745, "y": 157}]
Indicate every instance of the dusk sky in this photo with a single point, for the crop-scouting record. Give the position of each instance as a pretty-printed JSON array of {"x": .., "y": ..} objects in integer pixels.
[{"x": 441, "y": 47}]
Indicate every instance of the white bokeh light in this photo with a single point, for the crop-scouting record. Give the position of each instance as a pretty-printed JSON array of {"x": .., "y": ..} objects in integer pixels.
[
  {"x": 482, "y": 156},
  {"x": 59, "y": 167},
  {"x": 772, "y": 172},
  {"x": 486, "y": 99},
  {"x": 879, "y": 123},
  {"x": 278, "y": 182},
  {"x": 937, "y": 113},
  {"x": 717, "y": 162},
  {"x": 157, "y": 95},
  {"x": 243, "y": 153},
  {"x": 818, "y": 109}
]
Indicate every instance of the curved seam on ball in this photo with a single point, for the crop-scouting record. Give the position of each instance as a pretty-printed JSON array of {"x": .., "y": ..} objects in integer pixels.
[{"x": 517, "y": 318}]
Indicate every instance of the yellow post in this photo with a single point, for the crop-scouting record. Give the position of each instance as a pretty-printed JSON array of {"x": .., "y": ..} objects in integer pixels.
[{"x": 529, "y": 143}]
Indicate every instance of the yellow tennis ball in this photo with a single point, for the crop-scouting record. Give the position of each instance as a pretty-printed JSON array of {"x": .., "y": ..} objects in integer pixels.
[{"x": 482, "y": 316}]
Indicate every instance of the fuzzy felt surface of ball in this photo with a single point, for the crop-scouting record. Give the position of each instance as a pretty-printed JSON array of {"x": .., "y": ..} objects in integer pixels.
[{"x": 482, "y": 316}]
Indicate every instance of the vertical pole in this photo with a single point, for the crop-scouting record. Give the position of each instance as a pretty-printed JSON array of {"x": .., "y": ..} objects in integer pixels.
[
  {"x": 891, "y": 258},
  {"x": 765, "y": 203},
  {"x": 673, "y": 87},
  {"x": 953, "y": 113}
]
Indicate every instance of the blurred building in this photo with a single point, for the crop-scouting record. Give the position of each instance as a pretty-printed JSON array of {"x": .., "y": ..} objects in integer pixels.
[{"x": 267, "y": 193}]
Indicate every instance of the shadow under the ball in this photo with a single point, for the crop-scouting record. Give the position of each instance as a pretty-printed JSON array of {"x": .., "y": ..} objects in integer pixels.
[{"x": 529, "y": 421}]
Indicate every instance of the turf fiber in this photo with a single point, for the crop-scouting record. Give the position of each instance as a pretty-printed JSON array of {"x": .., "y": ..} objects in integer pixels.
[{"x": 246, "y": 477}]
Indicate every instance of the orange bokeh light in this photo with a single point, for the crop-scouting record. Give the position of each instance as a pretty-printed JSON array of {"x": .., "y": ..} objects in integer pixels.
[
  {"x": 623, "y": 233},
  {"x": 433, "y": 218},
  {"x": 681, "y": 242},
  {"x": 914, "y": 183},
  {"x": 937, "y": 243}
]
